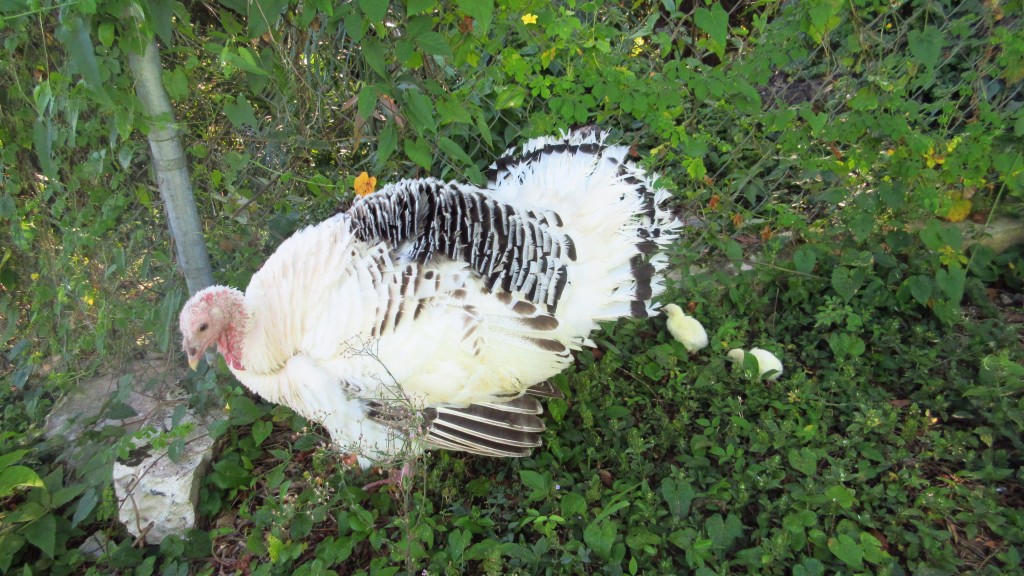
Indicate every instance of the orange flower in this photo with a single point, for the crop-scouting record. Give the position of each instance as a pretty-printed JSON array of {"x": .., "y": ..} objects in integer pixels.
[{"x": 365, "y": 184}]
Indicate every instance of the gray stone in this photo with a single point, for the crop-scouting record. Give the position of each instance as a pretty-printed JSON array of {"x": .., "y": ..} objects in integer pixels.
[
  {"x": 96, "y": 545},
  {"x": 157, "y": 496}
]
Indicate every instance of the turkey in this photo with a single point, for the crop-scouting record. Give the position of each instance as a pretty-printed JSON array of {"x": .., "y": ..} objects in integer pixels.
[{"x": 431, "y": 314}]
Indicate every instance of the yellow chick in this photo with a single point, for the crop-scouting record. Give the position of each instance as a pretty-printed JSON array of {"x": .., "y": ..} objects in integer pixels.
[
  {"x": 766, "y": 361},
  {"x": 686, "y": 329}
]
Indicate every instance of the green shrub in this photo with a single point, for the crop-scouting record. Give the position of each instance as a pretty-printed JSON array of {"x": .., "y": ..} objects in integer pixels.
[{"x": 817, "y": 150}]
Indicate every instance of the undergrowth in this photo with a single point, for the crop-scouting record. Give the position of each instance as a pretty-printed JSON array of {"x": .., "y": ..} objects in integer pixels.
[{"x": 827, "y": 158}]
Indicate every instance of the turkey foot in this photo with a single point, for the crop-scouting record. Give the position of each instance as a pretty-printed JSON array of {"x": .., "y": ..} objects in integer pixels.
[{"x": 395, "y": 478}]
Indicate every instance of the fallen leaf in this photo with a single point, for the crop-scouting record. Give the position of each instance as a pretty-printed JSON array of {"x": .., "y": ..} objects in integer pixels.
[{"x": 881, "y": 539}]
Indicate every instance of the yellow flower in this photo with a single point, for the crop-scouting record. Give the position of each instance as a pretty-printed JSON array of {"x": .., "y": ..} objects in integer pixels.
[
  {"x": 365, "y": 184},
  {"x": 958, "y": 210},
  {"x": 529, "y": 18},
  {"x": 932, "y": 159},
  {"x": 638, "y": 47}
]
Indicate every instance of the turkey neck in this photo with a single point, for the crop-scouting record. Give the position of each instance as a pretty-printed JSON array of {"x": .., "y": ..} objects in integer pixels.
[{"x": 230, "y": 342}]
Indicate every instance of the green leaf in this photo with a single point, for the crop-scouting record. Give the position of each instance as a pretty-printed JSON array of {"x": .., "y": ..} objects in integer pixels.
[
  {"x": 243, "y": 59},
  {"x": 449, "y": 147},
  {"x": 274, "y": 547},
  {"x": 510, "y": 97},
  {"x": 42, "y": 533},
  {"x": 105, "y": 32},
  {"x": 573, "y": 504},
  {"x": 228, "y": 474},
  {"x": 893, "y": 195},
  {"x": 42, "y": 142},
  {"x": 419, "y": 152},
  {"x": 809, "y": 567},
  {"x": 920, "y": 288},
  {"x": 678, "y": 494},
  {"x": 723, "y": 532},
  {"x": 846, "y": 281},
  {"x": 261, "y": 430},
  {"x": 841, "y": 495},
  {"x": 926, "y": 45},
  {"x": 14, "y": 477},
  {"x": 161, "y": 18},
  {"x": 15, "y": 455},
  {"x": 824, "y": 17},
  {"x": 367, "y": 100},
  {"x": 816, "y": 120},
  {"x": 74, "y": 33},
  {"x": 715, "y": 23},
  {"x": 937, "y": 236},
  {"x": 85, "y": 506},
  {"x": 387, "y": 142},
  {"x": 373, "y": 54},
  {"x": 805, "y": 460},
  {"x": 262, "y": 16},
  {"x": 375, "y": 10},
  {"x": 66, "y": 494},
  {"x": 420, "y": 111},
  {"x": 864, "y": 99},
  {"x": 457, "y": 542},
  {"x": 540, "y": 485},
  {"x": 434, "y": 44},
  {"x": 482, "y": 13},
  {"x": 361, "y": 519},
  {"x": 451, "y": 110},
  {"x": 600, "y": 535},
  {"x": 872, "y": 549},
  {"x": 356, "y": 27},
  {"x": 804, "y": 259},
  {"x": 481, "y": 125},
  {"x": 695, "y": 168},
  {"x": 845, "y": 345},
  {"x": 243, "y": 411},
  {"x": 952, "y": 282},
  {"x": 847, "y": 550},
  {"x": 413, "y": 7},
  {"x": 176, "y": 83},
  {"x": 241, "y": 113},
  {"x": 117, "y": 410}
]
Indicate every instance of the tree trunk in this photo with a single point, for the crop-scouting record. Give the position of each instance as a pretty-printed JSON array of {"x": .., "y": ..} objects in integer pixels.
[{"x": 171, "y": 170}]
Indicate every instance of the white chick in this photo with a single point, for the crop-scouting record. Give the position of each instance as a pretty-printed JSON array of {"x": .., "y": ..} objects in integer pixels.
[
  {"x": 686, "y": 329},
  {"x": 766, "y": 361}
]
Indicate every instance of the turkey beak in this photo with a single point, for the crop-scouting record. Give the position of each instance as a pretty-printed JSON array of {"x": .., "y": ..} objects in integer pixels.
[{"x": 194, "y": 354}]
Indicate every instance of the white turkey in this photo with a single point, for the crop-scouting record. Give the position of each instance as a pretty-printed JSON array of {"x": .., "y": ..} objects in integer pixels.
[
  {"x": 434, "y": 312},
  {"x": 767, "y": 363}
]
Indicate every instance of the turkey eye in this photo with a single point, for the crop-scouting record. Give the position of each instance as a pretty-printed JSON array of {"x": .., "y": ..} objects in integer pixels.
[{"x": 203, "y": 327}]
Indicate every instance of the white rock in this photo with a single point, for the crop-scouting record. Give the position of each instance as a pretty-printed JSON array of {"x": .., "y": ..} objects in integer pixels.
[
  {"x": 152, "y": 489},
  {"x": 158, "y": 497},
  {"x": 96, "y": 545}
]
